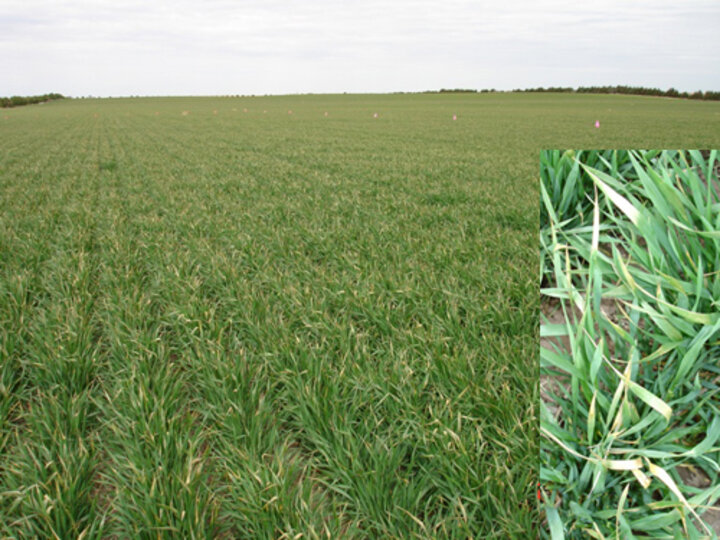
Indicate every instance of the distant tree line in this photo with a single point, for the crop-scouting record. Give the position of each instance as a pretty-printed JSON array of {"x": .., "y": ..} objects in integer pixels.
[
  {"x": 18, "y": 101},
  {"x": 564, "y": 89},
  {"x": 458, "y": 91},
  {"x": 633, "y": 90}
]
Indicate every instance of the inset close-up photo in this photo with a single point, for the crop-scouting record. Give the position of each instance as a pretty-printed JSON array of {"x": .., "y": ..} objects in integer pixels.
[{"x": 630, "y": 344}]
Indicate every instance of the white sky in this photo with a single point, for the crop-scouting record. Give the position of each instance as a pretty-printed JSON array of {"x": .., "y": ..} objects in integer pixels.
[{"x": 186, "y": 47}]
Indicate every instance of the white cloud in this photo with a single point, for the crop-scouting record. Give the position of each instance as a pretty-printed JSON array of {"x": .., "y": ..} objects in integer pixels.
[{"x": 281, "y": 46}]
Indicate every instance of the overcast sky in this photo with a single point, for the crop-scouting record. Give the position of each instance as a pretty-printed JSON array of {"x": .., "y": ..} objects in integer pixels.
[{"x": 185, "y": 47}]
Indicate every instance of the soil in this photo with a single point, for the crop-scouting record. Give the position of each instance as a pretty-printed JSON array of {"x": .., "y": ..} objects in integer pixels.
[{"x": 696, "y": 478}]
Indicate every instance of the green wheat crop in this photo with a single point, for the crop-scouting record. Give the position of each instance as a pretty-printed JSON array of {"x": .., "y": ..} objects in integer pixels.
[
  {"x": 227, "y": 324},
  {"x": 636, "y": 357}
]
